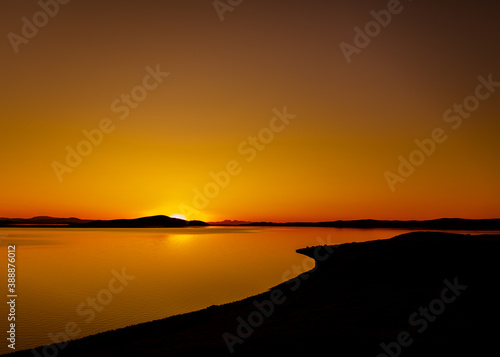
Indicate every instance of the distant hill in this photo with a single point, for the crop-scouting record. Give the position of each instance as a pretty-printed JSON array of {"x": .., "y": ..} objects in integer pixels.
[
  {"x": 143, "y": 222},
  {"x": 42, "y": 220},
  {"x": 441, "y": 224},
  {"x": 228, "y": 222},
  {"x": 165, "y": 221}
]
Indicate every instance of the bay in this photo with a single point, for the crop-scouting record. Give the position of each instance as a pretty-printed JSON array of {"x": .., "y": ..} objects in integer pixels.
[{"x": 94, "y": 280}]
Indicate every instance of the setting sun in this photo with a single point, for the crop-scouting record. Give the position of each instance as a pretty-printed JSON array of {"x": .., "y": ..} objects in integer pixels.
[{"x": 178, "y": 216}]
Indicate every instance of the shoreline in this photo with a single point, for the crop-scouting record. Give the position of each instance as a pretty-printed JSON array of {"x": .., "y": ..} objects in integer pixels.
[
  {"x": 451, "y": 224},
  {"x": 375, "y": 279}
]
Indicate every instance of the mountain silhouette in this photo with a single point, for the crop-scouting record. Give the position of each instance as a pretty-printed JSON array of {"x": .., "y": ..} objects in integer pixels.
[
  {"x": 162, "y": 221},
  {"x": 441, "y": 224},
  {"x": 143, "y": 222}
]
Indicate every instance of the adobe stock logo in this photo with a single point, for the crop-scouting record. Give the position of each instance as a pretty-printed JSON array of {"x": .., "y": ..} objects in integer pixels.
[
  {"x": 428, "y": 146},
  {"x": 423, "y": 317},
  {"x": 363, "y": 36},
  {"x": 248, "y": 148},
  {"x": 221, "y": 7},
  {"x": 264, "y": 309},
  {"x": 30, "y": 27},
  {"x": 91, "y": 306},
  {"x": 121, "y": 106}
]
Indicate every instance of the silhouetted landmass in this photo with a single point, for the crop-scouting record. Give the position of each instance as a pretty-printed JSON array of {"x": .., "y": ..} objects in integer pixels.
[
  {"x": 436, "y": 292},
  {"x": 440, "y": 224},
  {"x": 228, "y": 222},
  {"x": 144, "y": 222},
  {"x": 165, "y": 221},
  {"x": 41, "y": 220}
]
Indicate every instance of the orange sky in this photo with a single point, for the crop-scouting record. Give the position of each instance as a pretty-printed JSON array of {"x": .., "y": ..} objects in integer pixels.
[{"x": 351, "y": 121}]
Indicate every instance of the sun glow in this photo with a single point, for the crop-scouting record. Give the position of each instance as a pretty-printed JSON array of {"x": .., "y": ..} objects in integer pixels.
[{"x": 178, "y": 216}]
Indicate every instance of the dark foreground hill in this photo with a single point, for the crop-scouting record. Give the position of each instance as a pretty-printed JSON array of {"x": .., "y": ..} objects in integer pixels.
[{"x": 418, "y": 294}]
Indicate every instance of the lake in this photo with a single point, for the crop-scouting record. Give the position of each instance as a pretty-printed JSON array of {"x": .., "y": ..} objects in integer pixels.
[{"x": 93, "y": 280}]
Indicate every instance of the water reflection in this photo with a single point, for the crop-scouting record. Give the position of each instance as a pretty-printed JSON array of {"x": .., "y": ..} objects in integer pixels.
[{"x": 176, "y": 270}]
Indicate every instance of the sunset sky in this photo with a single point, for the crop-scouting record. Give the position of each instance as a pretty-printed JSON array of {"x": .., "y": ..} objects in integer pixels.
[{"x": 348, "y": 121}]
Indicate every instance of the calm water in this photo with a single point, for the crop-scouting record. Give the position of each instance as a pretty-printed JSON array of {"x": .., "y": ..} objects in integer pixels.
[{"x": 64, "y": 275}]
